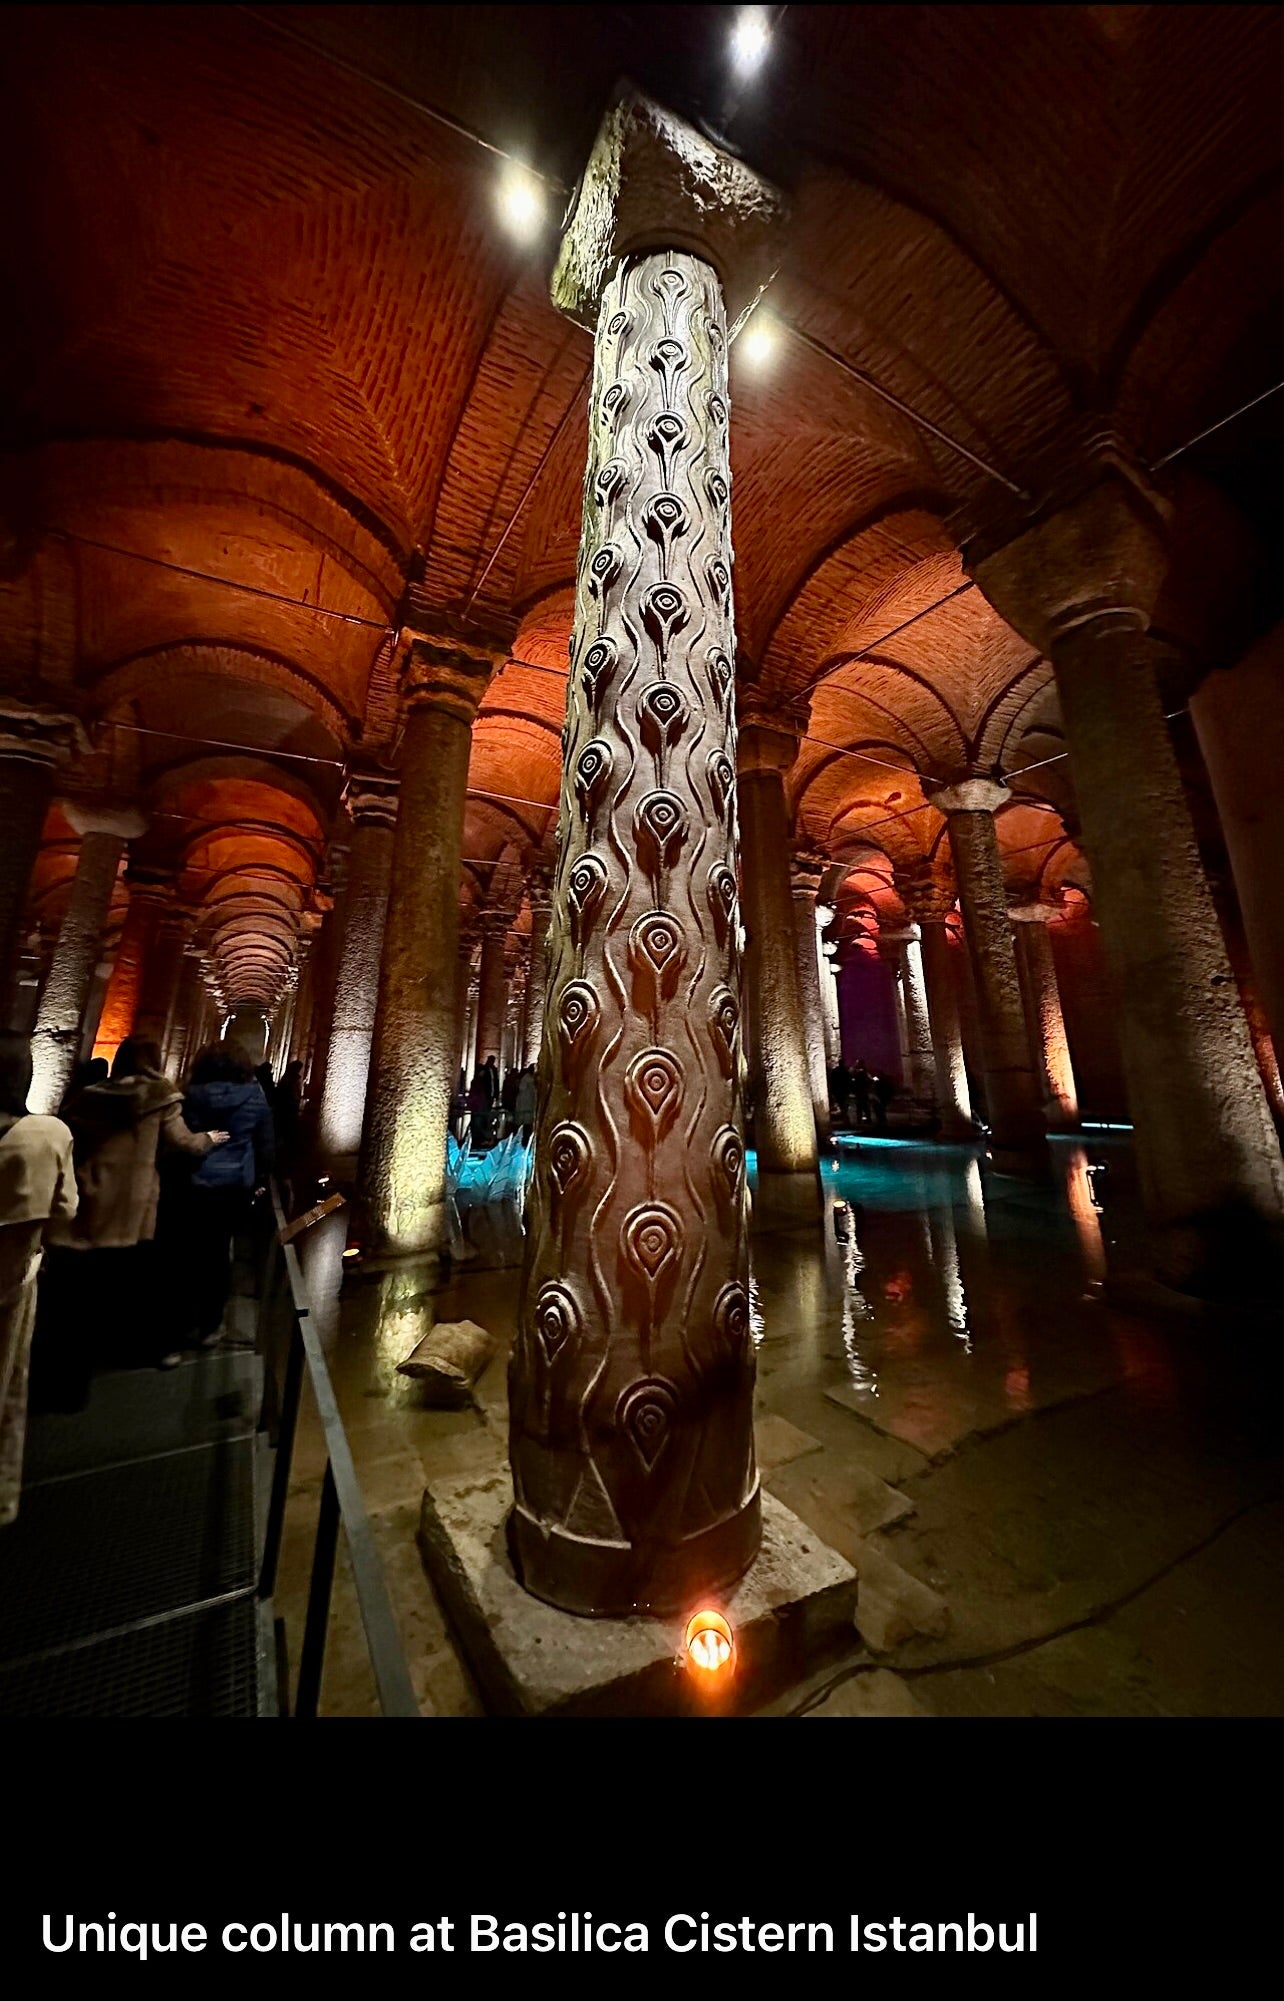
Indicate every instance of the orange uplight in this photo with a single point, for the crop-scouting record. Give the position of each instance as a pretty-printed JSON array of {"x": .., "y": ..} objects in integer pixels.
[{"x": 710, "y": 1643}]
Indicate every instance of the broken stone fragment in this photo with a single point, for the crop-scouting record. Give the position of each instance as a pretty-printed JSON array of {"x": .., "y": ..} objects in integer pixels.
[{"x": 451, "y": 1357}]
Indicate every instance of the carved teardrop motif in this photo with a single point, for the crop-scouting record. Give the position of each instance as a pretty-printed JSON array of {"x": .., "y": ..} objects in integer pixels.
[
  {"x": 653, "y": 1085},
  {"x": 660, "y": 827},
  {"x": 665, "y": 518},
  {"x": 722, "y": 900},
  {"x": 645, "y": 1415},
  {"x": 604, "y": 569},
  {"x": 724, "y": 1022},
  {"x": 670, "y": 285},
  {"x": 731, "y": 1319},
  {"x": 666, "y": 435},
  {"x": 728, "y": 1154},
  {"x": 615, "y": 401},
  {"x": 592, "y": 767},
  {"x": 657, "y": 952},
  {"x": 578, "y": 1013},
  {"x": 610, "y": 479},
  {"x": 619, "y": 323},
  {"x": 662, "y": 715},
  {"x": 557, "y": 1320},
  {"x": 721, "y": 674},
  {"x": 651, "y": 1238},
  {"x": 669, "y": 358},
  {"x": 569, "y": 1152},
  {"x": 717, "y": 488},
  {"x": 664, "y": 613},
  {"x": 598, "y": 668},
  {"x": 585, "y": 887},
  {"x": 722, "y": 780},
  {"x": 717, "y": 409},
  {"x": 719, "y": 576}
]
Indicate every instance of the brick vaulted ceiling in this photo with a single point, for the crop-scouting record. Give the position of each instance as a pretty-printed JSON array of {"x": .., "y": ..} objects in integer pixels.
[{"x": 270, "y": 357}]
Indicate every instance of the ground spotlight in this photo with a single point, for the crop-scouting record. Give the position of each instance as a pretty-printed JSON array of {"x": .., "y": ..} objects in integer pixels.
[{"x": 710, "y": 1645}]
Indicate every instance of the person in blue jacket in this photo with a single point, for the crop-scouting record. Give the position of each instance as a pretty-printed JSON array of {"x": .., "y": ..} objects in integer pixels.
[{"x": 222, "y": 1094}]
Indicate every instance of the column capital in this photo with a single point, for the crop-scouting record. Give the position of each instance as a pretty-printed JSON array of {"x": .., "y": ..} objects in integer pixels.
[
  {"x": 371, "y": 797},
  {"x": 92, "y": 816},
  {"x": 450, "y": 671},
  {"x": 1032, "y": 913},
  {"x": 654, "y": 183},
  {"x": 152, "y": 885},
  {"x": 927, "y": 902},
  {"x": 906, "y": 934},
  {"x": 1094, "y": 550},
  {"x": 539, "y": 886},
  {"x": 806, "y": 873},
  {"x": 970, "y": 795},
  {"x": 770, "y": 729},
  {"x": 496, "y": 923},
  {"x": 38, "y": 733}
]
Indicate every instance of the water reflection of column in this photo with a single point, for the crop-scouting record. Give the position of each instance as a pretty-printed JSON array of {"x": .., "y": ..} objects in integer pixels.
[{"x": 1084, "y": 1214}]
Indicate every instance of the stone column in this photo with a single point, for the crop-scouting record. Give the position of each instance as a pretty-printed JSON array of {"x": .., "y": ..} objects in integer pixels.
[
  {"x": 371, "y": 799},
  {"x": 150, "y": 892},
  {"x": 331, "y": 899},
  {"x": 492, "y": 995},
  {"x": 1049, "y": 1048},
  {"x": 190, "y": 1019},
  {"x": 1081, "y": 585},
  {"x": 162, "y": 971},
  {"x": 788, "y": 1190},
  {"x": 890, "y": 956},
  {"x": 1011, "y": 1091},
  {"x": 539, "y": 889},
  {"x": 631, "y": 1381},
  {"x": 920, "y": 1060},
  {"x": 55, "y": 1044},
  {"x": 404, "y": 1206},
  {"x": 828, "y": 964},
  {"x": 931, "y": 909},
  {"x": 33, "y": 740},
  {"x": 805, "y": 881}
]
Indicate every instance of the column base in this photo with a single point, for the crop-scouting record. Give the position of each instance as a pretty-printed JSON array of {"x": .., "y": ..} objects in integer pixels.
[
  {"x": 427, "y": 1234},
  {"x": 787, "y": 1201},
  {"x": 618, "y": 1581}
]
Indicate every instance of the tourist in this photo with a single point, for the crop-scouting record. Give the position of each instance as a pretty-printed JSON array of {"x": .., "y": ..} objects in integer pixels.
[
  {"x": 37, "y": 1188},
  {"x": 860, "y": 1081},
  {"x": 222, "y": 1091},
  {"x": 508, "y": 1098},
  {"x": 95, "y": 1070},
  {"x": 100, "y": 1288}
]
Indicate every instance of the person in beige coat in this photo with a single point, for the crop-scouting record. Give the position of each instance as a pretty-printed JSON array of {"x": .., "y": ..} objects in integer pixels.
[
  {"x": 99, "y": 1290},
  {"x": 37, "y": 1189}
]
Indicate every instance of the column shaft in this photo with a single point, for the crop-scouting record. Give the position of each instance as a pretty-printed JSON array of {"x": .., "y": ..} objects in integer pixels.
[
  {"x": 953, "y": 1098},
  {"x": 535, "y": 980},
  {"x": 813, "y": 1014},
  {"x": 403, "y": 1200},
  {"x": 1012, "y": 1094},
  {"x": 784, "y": 1123},
  {"x": 631, "y": 1384},
  {"x": 56, "y": 1041},
  {"x": 1049, "y": 1047},
  {"x": 492, "y": 992},
  {"x": 1207, "y": 1153},
  {"x": 356, "y": 987}
]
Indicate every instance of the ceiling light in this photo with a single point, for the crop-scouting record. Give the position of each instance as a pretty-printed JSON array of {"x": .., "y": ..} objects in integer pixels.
[
  {"x": 757, "y": 343},
  {"x": 521, "y": 202},
  {"x": 750, "y": 39}
]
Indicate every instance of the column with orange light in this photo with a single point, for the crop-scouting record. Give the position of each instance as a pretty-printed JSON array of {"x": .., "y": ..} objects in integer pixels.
[
  {"x": 1049, "y": 1048},
  {"x": 55, "y": 1043},
  {"x": 371, "y": 798}
]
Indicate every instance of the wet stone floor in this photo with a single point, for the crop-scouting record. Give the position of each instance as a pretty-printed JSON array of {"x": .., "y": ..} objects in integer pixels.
[{"x": 1056, "y": 1505}]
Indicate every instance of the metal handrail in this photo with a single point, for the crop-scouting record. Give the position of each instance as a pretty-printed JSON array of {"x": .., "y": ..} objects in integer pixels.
[{"x": 341, "y": 1500}]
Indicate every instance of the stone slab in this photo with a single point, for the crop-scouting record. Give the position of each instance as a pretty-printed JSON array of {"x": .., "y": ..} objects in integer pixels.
[{"x": 795, "y": 1604}]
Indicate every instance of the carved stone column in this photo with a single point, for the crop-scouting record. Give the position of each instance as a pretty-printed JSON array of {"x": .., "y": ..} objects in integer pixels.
[
  {"x": 805, "y": 880},
  {"x": 403, "y": 1199},
  {"x": 371, "y": 798},
  {"x": 55, "y": 1044},
  {"x": 539, "y": 889},
  {"x": 931, "y": 906},
  {"x": 1049, "y": 1048},
  {"x": 631, "y": 1381},
  {"x": 1011, "y": 1091},
  {"x": 788, "y": 1190},
  {"x": 920, "y": 1060},
  {"x": 1081, "y": 585},
  {"x": 150, "y": 894},
  {"x": 492, "y": 999},
  {"x": 33, "y": 741}
]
